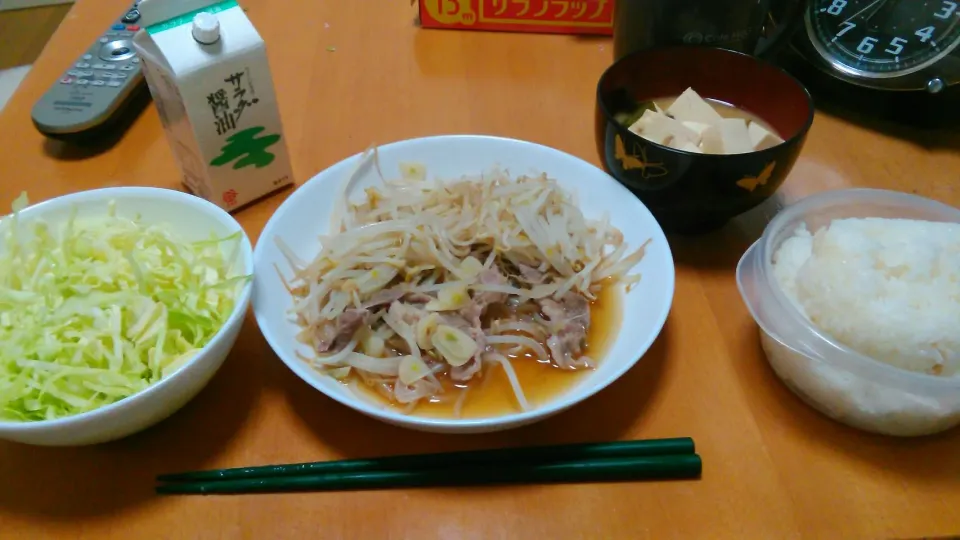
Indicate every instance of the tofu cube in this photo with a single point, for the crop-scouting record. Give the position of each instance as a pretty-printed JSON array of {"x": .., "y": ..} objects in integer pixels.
[
  {"x": 689, "y": 147},
  {"x": 761, "y": 138},
  {"x": 648, "y": 116},
  {"x": 711, "y": 142},
  {"x": 690, "y": 107},
  {"x": 698, "y": 128},
  {"x": 736, "y": 137},
  {"x": 662, "y": 129}
]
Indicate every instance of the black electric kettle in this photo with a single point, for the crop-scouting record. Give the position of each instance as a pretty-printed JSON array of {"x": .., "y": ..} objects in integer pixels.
[{"x": 758, "y": 27}]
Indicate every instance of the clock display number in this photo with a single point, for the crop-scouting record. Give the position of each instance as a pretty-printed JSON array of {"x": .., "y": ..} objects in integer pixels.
[
  {"x": 896, "y": 46},
  {"x": 847, "y": 26},
  {"x": 948, "y": 9},
  {"x": 866, "y": 46},
  {"x": 836, "y": 7},
  {"x": 924, "y": 34}
]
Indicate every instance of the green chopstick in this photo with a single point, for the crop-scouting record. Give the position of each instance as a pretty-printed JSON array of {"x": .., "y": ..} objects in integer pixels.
[
  {"x": 406, "y": 463},
  {"x": 683, "y": 466}
]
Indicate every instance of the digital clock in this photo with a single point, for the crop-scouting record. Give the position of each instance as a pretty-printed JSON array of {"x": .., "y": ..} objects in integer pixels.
[{"x": 886, "y": 44}]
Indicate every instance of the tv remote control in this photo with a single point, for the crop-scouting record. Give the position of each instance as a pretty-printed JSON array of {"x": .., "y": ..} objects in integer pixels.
[{"x": 98, "y": 89}]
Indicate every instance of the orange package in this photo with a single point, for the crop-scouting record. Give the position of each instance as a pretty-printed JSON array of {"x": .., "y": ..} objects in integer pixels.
[{"x": 538, "y": 16}]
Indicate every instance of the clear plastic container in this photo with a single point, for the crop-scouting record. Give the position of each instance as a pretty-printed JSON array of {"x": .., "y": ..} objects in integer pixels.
[{"x": 839, "y": 382}]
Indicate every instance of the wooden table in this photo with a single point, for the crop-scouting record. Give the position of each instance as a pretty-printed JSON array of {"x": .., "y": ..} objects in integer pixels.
[{"x": 774, "y": 468}]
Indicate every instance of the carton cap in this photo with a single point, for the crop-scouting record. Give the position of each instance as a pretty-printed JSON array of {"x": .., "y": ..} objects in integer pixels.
[{"x": 206, "y": 28}]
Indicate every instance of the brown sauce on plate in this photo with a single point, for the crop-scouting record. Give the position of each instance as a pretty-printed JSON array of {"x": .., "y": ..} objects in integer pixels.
[{"x": 490, "y": 395}]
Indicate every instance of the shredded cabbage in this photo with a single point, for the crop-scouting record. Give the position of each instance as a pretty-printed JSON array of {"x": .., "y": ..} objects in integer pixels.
[{"x": 101, "y": 308}]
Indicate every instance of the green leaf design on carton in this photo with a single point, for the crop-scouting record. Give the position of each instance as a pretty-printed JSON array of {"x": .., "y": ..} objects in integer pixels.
[{"x": 247, "y": 149}]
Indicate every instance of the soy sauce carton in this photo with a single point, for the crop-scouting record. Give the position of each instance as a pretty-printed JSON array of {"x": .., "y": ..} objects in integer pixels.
[{"x": 206, "y": 67}]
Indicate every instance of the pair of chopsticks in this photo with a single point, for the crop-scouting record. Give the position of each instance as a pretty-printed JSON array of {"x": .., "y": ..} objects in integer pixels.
[{"x": 590, "y": 462}]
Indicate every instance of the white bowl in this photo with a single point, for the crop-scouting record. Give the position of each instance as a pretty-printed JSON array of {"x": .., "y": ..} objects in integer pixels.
[
  {"x": 191, "y": 217},
  {"x": 306, "y": 214}
]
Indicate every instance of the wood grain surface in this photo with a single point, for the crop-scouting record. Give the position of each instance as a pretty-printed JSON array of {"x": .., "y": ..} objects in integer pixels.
[
  {"x": 24, "y": 32},
  {"x": 773, "y": 467}
]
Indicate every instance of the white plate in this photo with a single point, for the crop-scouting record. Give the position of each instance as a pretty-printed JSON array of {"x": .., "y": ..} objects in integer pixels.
[{"x": 306, "y": 214}]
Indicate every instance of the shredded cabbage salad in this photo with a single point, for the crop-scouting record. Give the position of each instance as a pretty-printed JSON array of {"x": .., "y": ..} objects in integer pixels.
[{"x": 100, "y": 308}]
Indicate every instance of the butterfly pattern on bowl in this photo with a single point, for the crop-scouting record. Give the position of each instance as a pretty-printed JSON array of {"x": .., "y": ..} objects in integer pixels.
[
  {"x": 637, "y": 160},
  {"x": 750, "y": 183}
]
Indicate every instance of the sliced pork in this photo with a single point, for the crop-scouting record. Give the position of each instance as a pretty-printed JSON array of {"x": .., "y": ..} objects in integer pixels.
[
  {"x": 569, "y": 320},
  {"x": 334, "y": 335}
]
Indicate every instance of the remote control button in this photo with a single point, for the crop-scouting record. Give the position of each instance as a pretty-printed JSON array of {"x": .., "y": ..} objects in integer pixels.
[
  {"x": 83, "y": 65},
  {"x": 117, "y": 27},
  {"x": 118, "y": 49},
  {"x": 66, "y": 80},
  {"x": 115, "y": 84},
  {"x": 86, "y": 74},
  {"x": 98, "y": 83},
  {"x": 82, "y": 82},
  {"x": 73, "y": 73},
  {"x": 126, "y": 35},
  {"x": 109, "y": 67},
  {"x": 88, "y": 57},
  {"x": 132, "y": 16},
  {"x": 103, "y": 39},
  {"x": 119, "y": 75},
  {"x": 128, "y": 68},
  {"x": 133, "y": 28},
  {"x": 135, "y": 60}
]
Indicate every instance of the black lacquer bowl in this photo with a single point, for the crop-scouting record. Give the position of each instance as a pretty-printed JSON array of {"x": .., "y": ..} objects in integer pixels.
[{"x": 689, "y": 192}]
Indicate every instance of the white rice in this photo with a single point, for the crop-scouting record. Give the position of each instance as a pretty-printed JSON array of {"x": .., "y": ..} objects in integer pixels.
[{"x": 887, "y": 288}]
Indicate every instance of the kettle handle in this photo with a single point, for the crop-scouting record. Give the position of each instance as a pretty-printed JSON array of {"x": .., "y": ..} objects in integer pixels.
[{"x": 769, "y": 46}]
